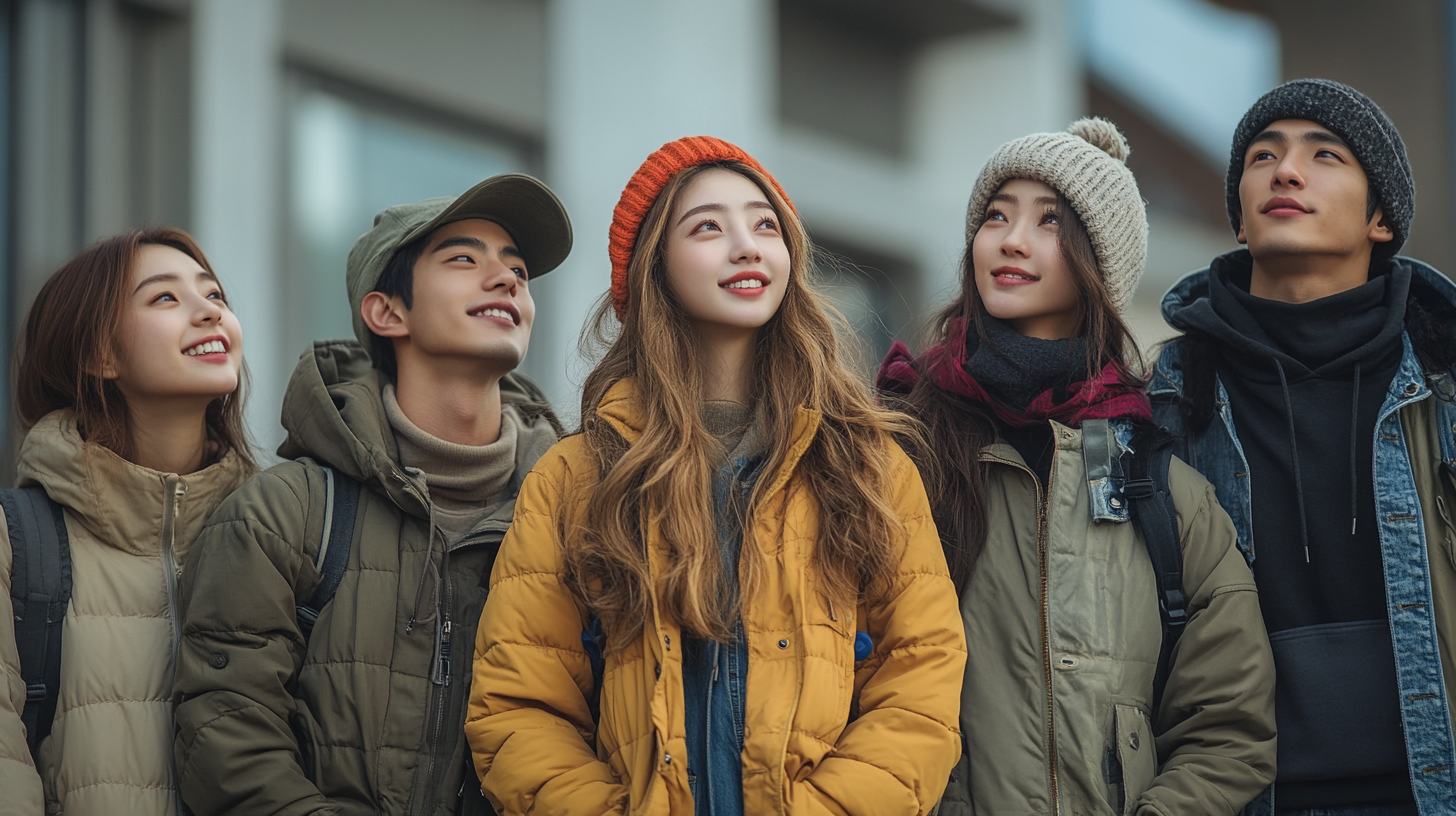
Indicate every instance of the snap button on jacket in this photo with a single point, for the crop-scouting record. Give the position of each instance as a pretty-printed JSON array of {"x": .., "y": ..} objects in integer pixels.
[{"x": 822, "y": 734}]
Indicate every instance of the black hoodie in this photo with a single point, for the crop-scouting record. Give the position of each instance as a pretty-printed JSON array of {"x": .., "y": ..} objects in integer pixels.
[{"x": 1305, "y": 384}]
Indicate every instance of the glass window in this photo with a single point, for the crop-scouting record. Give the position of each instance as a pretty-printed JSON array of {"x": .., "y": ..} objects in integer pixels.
[{"x": 349, "y": 160}]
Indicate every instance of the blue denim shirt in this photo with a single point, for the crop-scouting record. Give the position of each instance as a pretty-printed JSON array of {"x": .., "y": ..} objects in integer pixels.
[
  {"x": 715, "y": 675},
  {"x": 1216, "y": 454}
]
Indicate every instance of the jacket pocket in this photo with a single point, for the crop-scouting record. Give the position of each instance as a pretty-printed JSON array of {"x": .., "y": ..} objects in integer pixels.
[
  {"x": 1137, "y": 757},
  {"x": 305, "y": 732}
]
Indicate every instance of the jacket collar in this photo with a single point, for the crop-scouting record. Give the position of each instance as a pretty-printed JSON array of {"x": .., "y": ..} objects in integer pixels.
[
  {"x": 122, "y": 504},
  {"x": 620, "y": 408},
  {"x": 333, "y": 412},
  {"x": 1167, "y": 379}
]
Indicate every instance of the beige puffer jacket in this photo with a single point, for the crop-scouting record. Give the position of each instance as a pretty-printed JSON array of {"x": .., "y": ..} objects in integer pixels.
[
  {"x": 1063, "y": 630},
  {"x": 110, "y": 748}
]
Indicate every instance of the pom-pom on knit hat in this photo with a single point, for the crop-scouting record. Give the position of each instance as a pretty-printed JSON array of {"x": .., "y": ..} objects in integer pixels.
[
  {"x": 1087, "y": 164},
  {"x": 1352, "y": 116},
  {"x": 648, "y": 182}
]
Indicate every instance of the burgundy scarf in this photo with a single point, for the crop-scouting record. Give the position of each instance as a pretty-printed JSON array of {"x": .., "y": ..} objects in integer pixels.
[{"x": 1103, "y": 398}]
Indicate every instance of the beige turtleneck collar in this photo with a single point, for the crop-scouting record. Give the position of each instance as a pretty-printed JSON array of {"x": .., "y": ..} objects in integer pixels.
[{"x": 465, "y": 481}]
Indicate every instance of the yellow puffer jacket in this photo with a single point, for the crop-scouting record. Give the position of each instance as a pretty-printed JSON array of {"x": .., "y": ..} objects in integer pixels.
[
  {"x": 130, "y": 528},
  {"x": 537, "y": 750}
]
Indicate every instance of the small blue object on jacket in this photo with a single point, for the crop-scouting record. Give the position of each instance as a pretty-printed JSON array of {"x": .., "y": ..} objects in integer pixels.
[{"x": 863, "y": 645}]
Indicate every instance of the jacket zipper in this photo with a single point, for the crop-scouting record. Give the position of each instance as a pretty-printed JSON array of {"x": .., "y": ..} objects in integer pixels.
[
  {"x": 439, "y": 675},
  {"x": 1043, "y": 501},
  {"x": 170, "y": 571}
]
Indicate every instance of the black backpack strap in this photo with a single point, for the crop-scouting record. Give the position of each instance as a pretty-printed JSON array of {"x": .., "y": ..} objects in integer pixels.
[
  {"x": 341, "y": 503},
  {"x": 1152, "y": 508},
  {"x": 40, "y": 591}
]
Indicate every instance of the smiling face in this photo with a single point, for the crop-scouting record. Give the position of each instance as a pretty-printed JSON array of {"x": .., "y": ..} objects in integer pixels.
[
  {"x": 1304, "y": 193},
  {"x": 1021, "y": 275},
  {"x": 178, "y": 339},
  {"x": 470, "y": 299},
  {"x": 727, "y": 262}
]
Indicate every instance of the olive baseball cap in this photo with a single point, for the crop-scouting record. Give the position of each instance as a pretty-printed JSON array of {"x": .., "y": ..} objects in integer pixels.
[{"x": 523, "y": 205}]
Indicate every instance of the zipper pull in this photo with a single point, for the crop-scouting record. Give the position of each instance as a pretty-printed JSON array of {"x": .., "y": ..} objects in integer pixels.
[{"x": 442, "y": 655}]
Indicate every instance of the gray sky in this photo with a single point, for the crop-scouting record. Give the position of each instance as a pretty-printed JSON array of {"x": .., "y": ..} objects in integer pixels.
[{"x": 1194, "y": 66}]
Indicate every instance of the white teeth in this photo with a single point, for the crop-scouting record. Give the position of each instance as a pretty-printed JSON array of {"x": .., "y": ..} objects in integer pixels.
[
  {"x": 210, "y": 347},
  {"x": 501, "y": 313},
  {"x": 745, "y": 284}
]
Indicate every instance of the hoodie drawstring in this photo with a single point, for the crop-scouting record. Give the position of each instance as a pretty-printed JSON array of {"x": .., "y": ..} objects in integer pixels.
[
  {"x": 1354, "y": 439},
  {"x": 1294, "y": 457}
]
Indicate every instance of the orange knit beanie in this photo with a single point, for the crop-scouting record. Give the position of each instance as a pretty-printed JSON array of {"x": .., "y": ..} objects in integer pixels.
[{"x": 647, "y": 183}]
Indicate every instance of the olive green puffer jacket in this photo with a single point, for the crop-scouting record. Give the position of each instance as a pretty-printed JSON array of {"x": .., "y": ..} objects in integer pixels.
[
  {"x": 368, "y": 716},
  {"x": 1063, "y": 630}
]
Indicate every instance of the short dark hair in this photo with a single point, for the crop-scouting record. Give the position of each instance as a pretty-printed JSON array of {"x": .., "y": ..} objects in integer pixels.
[{"x": 397, "y": 279}]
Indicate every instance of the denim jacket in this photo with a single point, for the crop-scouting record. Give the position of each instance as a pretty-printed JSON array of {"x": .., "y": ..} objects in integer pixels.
[{"x": 1400, "y": 510}]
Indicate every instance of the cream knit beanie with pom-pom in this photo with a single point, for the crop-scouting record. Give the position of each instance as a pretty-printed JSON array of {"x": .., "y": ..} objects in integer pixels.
[{"x": 1087, "y": 165}]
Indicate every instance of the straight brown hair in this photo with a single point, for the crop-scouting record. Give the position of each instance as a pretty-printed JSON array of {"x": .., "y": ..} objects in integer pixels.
[
  {"x": 956, "y": 430},
  {"x": 71, "y": 334},
  {"x": 665, "y": 477}
]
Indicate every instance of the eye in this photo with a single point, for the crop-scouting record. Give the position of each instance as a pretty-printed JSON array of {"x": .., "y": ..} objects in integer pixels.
[
  {"x": 164, "y": 298},
  {"x": 995, "y": 215},
  {"x": 520, "y": 272},
  {"x": 461, "y": 259},
  {"x": 1261, "y": 155},
  {"x": 1327, "y": 154},
  {"x": 766, "y": 223},
  {"x": 704, "y": 226},
  {"x": 1050, "y": 217}
]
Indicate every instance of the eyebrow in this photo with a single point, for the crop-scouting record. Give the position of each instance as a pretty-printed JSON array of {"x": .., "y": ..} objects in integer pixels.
[
  {"x": 475, "y": 243},
  {"x": 172, "y": 277},
  {"x": 1046, "y": 201},
  {"x": 1279, "y": 137},
  {"x": 747, "y": 205}
]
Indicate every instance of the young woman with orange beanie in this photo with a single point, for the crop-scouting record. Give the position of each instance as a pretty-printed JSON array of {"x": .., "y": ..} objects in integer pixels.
[{"x": 725, "y": 594}]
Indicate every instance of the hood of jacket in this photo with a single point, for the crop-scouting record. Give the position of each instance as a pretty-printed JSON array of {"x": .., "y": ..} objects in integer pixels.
[
  {"x": 120, "y": 503},
  {"x": 1191, "y": 288},
  {"x": 333, "y": 411}
]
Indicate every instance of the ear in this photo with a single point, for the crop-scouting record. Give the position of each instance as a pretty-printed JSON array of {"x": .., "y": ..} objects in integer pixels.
[
  {"x": 1242, "y": 238},
  {"x": 1380, "y": 231},
  {"x": 385, "y": 316},
  {"x": 106, "y": 369}
]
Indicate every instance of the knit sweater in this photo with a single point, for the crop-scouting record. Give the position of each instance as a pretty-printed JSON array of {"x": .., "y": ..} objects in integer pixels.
[{"x": 465, "y": 481}]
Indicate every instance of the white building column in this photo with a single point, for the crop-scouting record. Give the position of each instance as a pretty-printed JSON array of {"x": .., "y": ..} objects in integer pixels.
[
  {"x": 625, "y": 77},
  {"x": 237, "y": 179}
]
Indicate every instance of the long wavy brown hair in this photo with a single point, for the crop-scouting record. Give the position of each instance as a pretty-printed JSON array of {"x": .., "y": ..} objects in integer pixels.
[
  {"x": 663, "y": 480},
  {"x": 70, "y": 335},
  {"x": 956, "y": 430}
]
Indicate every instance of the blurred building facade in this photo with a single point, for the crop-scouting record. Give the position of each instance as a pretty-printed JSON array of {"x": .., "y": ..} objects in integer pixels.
[{"x": 274, "y": 129}]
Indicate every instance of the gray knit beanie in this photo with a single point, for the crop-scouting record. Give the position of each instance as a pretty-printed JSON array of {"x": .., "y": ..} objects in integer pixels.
[
  {"x": 1353, "y": 117},
  {"x": 1087, "y": 164}
]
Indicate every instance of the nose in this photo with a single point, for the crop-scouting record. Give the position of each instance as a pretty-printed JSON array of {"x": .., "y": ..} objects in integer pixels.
[
  {"x": 1287, "y": 173},
  {"x": 745, "y": 249},
  {"x": 1015, "y": 242},
  {"x": 209, "y": 311},
  {"x": 499, "y": 276}
]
